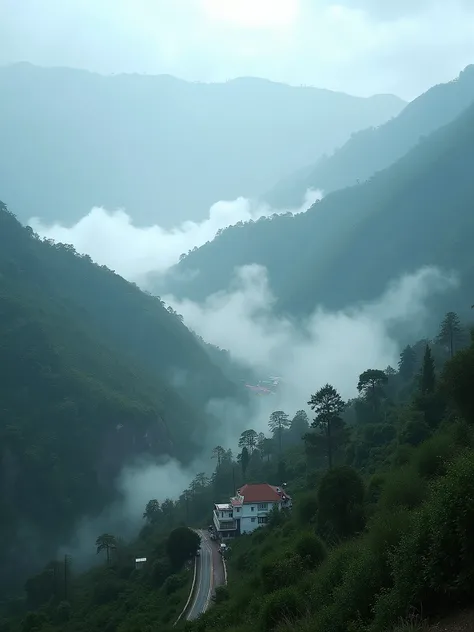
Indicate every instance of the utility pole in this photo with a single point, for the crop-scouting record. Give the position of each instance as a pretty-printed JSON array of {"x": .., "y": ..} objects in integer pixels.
[
  {"x": 66, "y": 564},
  {"x": 55, "y": 580}
]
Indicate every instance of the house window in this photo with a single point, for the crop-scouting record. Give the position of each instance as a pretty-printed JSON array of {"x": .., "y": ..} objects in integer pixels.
[
  {"x": 262, "y": 506},
  {"x": 238, "y": 509},
  {"x": 262, "y": 519},
  {"x": 252, "y": 508},
  {"x": 252, "y": 519}
]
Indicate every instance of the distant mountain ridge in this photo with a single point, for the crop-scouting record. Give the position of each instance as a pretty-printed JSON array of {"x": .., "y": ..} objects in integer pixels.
[
  {"x": 163, "y": 148},
  {"x": 375, "y": 148},
  {"x": 351, "y": 244}
]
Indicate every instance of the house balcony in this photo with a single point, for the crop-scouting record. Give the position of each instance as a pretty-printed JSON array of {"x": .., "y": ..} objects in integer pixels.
[{"x": 226, "y": 523}]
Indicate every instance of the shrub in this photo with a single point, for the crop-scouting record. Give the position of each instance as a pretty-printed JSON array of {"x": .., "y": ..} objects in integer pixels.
[
  {"x": 311, "y": 549},
  {"x": 259, "y": 536},
  {"x": 433, "y": 567},
  {"x": 402, "y": 455},
  {"x": 386, "y": 530},
  {"x": 403, "y": 488},
  {"x": 329, "y": 574},
  {"x": 288, "y": 529},
  {"x": 280, "y": 571},
  {"x": 221, "y": 594},
  {"x": 431, "y": 458},
  {"x": 374, "y": 488},
  {"x": 283, "y": 606},
  {"x": 354, "y": 598},
  {"x": 174, "y": 583},
  {"x": 415, "y": 431},
  {"x": 161, "y": 569},
  {"x": 107, "y": 590},
  {"x": 340, "y": 500},
  {"x": 307, "y": 508},
  {"x": 245, "y": 561},
  {"x": 63, "y": 612}
]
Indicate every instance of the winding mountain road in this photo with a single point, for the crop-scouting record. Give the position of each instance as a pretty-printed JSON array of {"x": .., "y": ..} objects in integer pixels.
[{"x": 209, "y": 575}]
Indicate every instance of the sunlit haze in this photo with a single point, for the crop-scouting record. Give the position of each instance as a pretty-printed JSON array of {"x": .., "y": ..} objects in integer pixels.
[{"x": 358, "y": 46}]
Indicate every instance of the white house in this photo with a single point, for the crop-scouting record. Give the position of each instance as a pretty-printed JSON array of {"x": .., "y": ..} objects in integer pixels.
[{"x": 248, "y": 509}]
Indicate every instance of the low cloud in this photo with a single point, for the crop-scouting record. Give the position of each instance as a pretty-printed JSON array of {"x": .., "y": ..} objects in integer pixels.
[
  {"x": 332, "y": 347},
  {"x": 111, "y": 239},
  {"x": 138, "y": 483}
]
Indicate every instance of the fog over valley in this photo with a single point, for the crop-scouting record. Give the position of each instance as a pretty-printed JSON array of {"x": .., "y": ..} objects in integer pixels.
[{"x": 236, "y": 316}]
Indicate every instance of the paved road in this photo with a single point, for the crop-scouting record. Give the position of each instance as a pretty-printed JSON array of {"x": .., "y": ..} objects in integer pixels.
[{"x": 209, "y": 574}]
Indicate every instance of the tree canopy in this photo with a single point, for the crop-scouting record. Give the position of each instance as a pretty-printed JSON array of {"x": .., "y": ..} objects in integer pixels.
[{"x": 182, "y": 544}]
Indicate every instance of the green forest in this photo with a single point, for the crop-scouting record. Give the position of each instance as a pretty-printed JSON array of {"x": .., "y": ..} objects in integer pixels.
[
  {"x": 97, "y": 374},
  {"x": 86, "y": 362},
  {"x": 379, "y": 537}
]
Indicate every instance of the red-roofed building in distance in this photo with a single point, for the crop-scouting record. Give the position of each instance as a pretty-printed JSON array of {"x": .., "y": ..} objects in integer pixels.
[{"x": 248, "y": 509}]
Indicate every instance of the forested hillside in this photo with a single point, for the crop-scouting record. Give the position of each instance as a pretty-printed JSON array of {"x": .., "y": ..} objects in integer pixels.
[
  {"x": 379, "y": 537},
  {"x": 376, "y": 148},
  {"x": 86, "y": 360},
  {"x": 347, "y": 247},
  {"x": 163, "y": 148}
]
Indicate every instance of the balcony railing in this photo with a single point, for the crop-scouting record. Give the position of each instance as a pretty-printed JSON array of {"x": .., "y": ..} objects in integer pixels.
[{"x": 224, "y": 524}]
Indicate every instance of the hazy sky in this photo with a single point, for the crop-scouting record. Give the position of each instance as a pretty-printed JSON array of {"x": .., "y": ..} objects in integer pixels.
[{"x": 359, "y": 46}]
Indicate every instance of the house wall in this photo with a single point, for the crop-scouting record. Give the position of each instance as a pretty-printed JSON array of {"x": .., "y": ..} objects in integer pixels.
[
  {"x": 247, "y": 517},
  {"x": 251, "y": 512}
]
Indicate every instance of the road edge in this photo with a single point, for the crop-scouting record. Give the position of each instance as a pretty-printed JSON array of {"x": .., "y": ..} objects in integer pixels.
[
  {"x": 189, "y": 596},
  {"x": 225, "y": 570}
]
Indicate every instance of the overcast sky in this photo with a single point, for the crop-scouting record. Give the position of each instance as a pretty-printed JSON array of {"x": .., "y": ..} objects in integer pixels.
[{"x": 359, "y": 46}]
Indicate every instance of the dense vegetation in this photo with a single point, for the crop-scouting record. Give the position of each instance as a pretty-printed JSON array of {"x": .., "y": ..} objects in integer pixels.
[
  {"x": 379, "y": 531},
  {"x": 160, "y": 147},
  {"x": 95, "y": 373},
  {"x": 118, "y": 594},
  {"x": 85, "y": 360},
  {"x": 376, "y": 148},
  {"x": 383, "y": 535},
  {"x": 417, "y": 212}
]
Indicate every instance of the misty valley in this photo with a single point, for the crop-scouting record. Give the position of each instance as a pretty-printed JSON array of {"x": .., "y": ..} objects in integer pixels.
[{"x": 236, "y": 355}]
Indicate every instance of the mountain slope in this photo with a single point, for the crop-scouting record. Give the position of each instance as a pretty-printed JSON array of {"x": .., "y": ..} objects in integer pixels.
[
  {"x": 347, "y": 247},
  {"x": 79, "y": 396},
  {"x": 163, "y": 148},
  {"x": 373, "y": 149}
]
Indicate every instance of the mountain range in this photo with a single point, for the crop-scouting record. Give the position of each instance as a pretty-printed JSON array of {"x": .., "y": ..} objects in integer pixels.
[
  {"x": 160, "y": 147},
  {"x": 350, "y": 245},
  {"x": 375, "y": 148},
  {"x": 94, "y": 371}
]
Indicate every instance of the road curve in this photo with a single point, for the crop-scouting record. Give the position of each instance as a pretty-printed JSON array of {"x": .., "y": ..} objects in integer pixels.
[{"x": 209, "y": 574}]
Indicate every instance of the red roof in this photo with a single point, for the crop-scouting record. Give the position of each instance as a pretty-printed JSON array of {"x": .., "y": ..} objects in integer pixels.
[{"x": 263, "y": 493}]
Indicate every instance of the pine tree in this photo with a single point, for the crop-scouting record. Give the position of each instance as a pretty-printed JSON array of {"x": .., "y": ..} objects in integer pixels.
[
  {"x": 371, "y": 386},
  {"x": 278, "y": 422},
  {"x": 328, "y": 406},
  {"x": 407, "y": 362},
  {"x": 248, "y": 439},
  {"x": 450, "y": 332},
  {"x": 244, "y": 459},
  {"x": 427, "y": 381}
]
